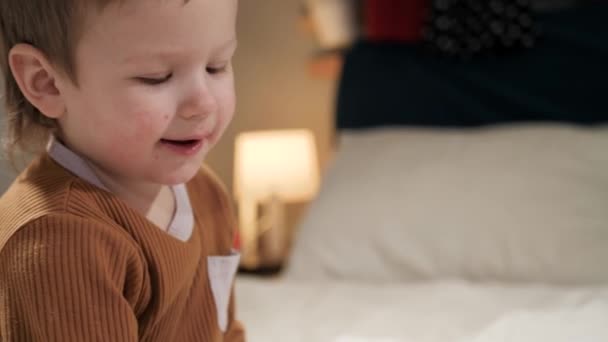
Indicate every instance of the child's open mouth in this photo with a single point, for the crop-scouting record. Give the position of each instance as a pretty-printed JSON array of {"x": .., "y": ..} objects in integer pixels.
[
  {"x": 183, "y": 147},
  {"x": 180, "y": 142}
]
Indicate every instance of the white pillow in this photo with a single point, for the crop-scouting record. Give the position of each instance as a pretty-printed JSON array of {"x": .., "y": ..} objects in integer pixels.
[{"x": 512, "y": 203}]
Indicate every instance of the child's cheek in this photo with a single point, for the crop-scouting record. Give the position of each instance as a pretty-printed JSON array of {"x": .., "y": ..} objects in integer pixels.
[
  {"x": 122, "y": 149},
  {"x": 136, "y": 135},
  {"x": 148, "y": 126},
  {"x": 227, "y": 113}
]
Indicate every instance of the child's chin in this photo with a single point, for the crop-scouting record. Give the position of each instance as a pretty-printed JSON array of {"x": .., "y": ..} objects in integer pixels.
[{"x": 183, "y": 175}]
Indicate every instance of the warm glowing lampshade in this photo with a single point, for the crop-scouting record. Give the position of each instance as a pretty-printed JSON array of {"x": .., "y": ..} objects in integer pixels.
[{"x": 280, "y": 163}]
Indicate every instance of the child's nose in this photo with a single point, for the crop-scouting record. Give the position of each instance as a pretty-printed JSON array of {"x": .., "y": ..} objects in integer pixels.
[{"x": 199, "y": 102}]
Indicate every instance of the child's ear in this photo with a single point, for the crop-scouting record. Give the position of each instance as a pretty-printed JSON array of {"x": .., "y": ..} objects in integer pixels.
[{"x": 36, "y": 78}]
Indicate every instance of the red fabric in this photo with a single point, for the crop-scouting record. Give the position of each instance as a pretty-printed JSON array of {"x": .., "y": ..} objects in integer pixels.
[
  {"x": 395, "y": 20},
  {"x": 236, "y": 243}
]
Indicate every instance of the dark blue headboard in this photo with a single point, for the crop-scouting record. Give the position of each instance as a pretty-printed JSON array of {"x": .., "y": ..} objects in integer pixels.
[{"x": 564, "y": 78}]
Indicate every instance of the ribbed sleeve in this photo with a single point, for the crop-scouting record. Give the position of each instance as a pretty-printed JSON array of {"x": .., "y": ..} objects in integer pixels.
[{"x": 63, "y": 280}]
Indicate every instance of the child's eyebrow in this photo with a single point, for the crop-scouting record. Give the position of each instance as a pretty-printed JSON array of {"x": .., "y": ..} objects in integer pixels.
[{"x": 172, "y": 54}]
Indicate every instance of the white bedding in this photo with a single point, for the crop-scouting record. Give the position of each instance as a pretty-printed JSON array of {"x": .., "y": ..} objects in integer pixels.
[
  {"x": 280, "y": 310},
  {"x": 402, "y": 210},
  {"x": 523, "y": 203}
]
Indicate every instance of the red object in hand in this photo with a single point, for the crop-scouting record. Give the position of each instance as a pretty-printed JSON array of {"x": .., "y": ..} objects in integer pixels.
[{"x": 395, "y": 20}]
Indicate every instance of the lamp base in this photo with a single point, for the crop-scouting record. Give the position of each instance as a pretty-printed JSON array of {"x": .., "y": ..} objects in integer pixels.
[
  {"x": 263, "y": 226},
  {"x": 266, "y": 270},
  {"x": 272, "y": 238}
]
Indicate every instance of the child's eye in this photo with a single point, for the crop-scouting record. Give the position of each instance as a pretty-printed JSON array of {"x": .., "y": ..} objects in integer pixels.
[
  {"x": 154, "y": 80},
  {"x": 217, "y": 70}
]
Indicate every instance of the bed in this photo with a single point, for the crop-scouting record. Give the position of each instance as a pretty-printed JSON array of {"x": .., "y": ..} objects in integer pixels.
[{"x": 473, "y": 211}]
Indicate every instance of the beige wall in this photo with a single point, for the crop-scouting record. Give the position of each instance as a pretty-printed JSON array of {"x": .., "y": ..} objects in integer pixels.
[{"x": 273, "y": 87}]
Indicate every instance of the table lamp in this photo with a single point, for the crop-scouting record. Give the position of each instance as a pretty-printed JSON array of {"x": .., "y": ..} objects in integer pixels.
[{"x": 270, "y": 169}]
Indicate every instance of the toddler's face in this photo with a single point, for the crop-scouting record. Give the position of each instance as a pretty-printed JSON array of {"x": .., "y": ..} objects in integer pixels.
[{"x": 155, "y": 87}]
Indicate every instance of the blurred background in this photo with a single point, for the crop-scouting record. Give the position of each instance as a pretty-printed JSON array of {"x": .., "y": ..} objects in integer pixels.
[
  {"x": 414, "y": 56},
  {"x": 275, "y": 88}
]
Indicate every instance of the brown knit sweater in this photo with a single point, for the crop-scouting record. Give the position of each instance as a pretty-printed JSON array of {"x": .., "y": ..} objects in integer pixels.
[{"x": 78, "y": 264}]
